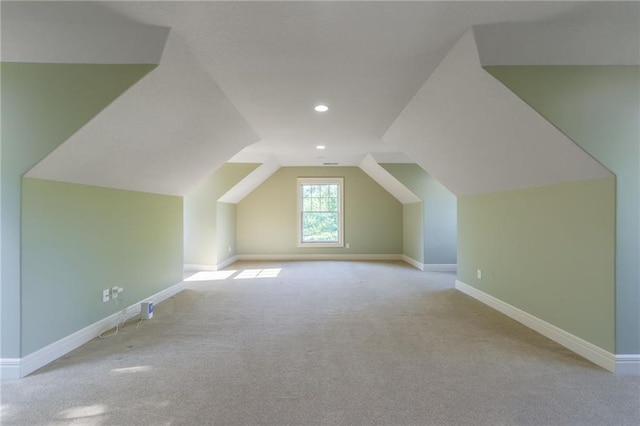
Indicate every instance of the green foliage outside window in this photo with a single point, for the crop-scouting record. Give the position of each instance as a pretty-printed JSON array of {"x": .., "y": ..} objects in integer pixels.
[{"x": 320, "y": 213}]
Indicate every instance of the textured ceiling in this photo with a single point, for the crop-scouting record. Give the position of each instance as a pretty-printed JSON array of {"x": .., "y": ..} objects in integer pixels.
[{"x": 238, "y": 80}]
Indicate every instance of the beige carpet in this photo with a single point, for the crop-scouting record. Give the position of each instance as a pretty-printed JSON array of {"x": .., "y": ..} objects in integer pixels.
[{"x": 330, "y": 343}]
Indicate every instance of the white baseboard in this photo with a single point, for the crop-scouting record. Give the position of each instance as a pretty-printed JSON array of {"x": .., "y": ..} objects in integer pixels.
[
  {"x": 593, "y": 353},
  {"x": 199, "y": 267},
  {"x": 268, "y": 257},
  {"x": 202, "y": 267},
  {"x": 628, "y": 364},
  {"x": 411, "y": 261},
  {"x": 227, "y": 262},
  {"x": 9, "y": 368},
  {"x": 441, "y": 267},
  {"x": 16, "y": 368}
]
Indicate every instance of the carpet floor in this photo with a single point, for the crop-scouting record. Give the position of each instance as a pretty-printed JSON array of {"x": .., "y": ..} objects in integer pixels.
[{"x": 322, "y": 343}]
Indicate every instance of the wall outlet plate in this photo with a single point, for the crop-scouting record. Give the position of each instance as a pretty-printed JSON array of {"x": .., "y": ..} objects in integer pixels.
[
  {"x": 105, "y": 295},
  {"x": 479, "y": 274}
]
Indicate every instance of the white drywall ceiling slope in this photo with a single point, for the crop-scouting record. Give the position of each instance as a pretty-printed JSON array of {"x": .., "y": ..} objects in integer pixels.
[
  {"x": 46, "y": 33},
  {"x": 386, "y": 180},
  {"x": 475, "y": 136},
  {"x": 164, "y": 135},
  {"x": 250, "y": 182},
  {"x": 604, "y": 43},
  {"x": 232, "y": 67}
]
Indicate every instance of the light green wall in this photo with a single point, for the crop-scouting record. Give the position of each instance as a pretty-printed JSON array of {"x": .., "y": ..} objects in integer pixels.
[
  {"x": 439, "y": 209},
  {"x": 267, "y": 217},
  {"x": 226, "y": 232},
  {"x": 78, "y": 240},
  {"x": 412, "y": 231},
  {"x": 42, "y": 105},
  {"x": 548, "y": 251},
  {"x": 201, "y": 215},
  {"x": 599, "y": 108}
]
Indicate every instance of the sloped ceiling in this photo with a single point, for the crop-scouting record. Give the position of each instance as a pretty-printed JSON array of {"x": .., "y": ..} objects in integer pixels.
[
  {"x": 239, "y": 80},
  {"x": 164, "y": 135},
  {"x": 386, "y": 180},
  {"x": 475, "y": 136}
]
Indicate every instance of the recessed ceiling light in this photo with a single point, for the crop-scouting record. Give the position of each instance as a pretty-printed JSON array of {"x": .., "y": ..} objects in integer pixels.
[
  {"x": 320, "y": 147},
  {"x": 321, "y": 108}
]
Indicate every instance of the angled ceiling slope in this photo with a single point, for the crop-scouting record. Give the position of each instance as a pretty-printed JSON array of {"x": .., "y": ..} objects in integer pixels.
[
  {"x": 35, "y": 33},
  {"x": 386, "y": 180},
  {"x": 475, "y": 136},
  {"x": 251, "y": 182},
  {"x": 164, "y": 135}
]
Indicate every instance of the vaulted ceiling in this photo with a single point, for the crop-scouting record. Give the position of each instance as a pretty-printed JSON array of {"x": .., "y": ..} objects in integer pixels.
[{"x": 237, "y": 81}]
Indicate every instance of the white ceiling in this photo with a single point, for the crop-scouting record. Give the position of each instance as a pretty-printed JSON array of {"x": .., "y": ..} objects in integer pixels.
[{"x": 265, "y": 65}]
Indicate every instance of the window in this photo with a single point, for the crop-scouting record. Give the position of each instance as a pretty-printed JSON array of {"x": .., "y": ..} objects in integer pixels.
[{"x": 320, "y": 215}]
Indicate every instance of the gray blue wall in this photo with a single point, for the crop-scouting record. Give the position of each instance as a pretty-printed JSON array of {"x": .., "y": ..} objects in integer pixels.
[{"x": 439, "y": 212}]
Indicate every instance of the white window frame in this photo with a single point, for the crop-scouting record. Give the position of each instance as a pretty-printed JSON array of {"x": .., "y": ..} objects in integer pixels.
[{"x": 322, "y": 181}]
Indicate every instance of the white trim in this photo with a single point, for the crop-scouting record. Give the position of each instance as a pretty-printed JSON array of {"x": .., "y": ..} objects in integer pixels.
[
  {"x": 321, "y": 181},
  {"x": 628, "y": 364},
  {"x": 9, "y": 368},
  {"x": 227, "y": 262},
  {"x": 441, "y": 267},
  {"x": 411, "y": 261},
  {"x": 199, "y": 267},
  {"x": 41, "y": 357},
  {"x": 268, "y": 257},
  {"x": 593, "y": 353}
]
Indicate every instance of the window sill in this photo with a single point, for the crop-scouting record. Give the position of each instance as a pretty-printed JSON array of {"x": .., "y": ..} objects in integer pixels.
[{"x": 320, "y": 245}]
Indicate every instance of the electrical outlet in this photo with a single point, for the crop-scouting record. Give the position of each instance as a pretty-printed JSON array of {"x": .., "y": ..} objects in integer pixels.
[
  {"x": 114, "y": 292},
  {"x": 105, "y": 295},
  {"x": 479, "y": 274},
  {"x": 347, "y": 245}
]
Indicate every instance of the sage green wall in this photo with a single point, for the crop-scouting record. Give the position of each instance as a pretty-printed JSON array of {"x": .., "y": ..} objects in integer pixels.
[
  {"x": 548, "y": 251},
  {"x": 267, "y": 217},
  {"x": 599, "y": 108},
  {"x": 412, "y": 231},
  {"x": 42, "y": 105},
  {"x": 78, "y": 240},
  {"x": 201, "y": 212},
  {"x": 226, "y": 227},
  {"x": 439, "y": 208}
]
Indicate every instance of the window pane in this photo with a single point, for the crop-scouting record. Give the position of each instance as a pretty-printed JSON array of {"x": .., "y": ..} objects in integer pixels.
[
  {"x": 319, "y": 227},
  {"x": 332, "y": 205}
]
